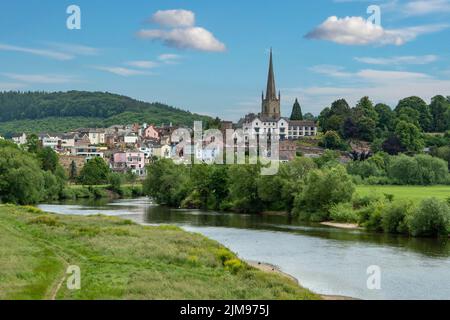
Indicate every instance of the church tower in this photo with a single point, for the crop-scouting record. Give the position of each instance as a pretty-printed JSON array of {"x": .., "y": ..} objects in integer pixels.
[{"x": 271, "y": 103}]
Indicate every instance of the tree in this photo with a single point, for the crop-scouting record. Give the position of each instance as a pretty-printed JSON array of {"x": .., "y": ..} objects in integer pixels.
[
  {"x": 94, "y": 172},
  {"x": 332, "y": 140},
  {"x": 365, "y": 127},
  {"x": 21, "y": 178},
  {"x": 167, "y": 183},
  {"x": 393, "y": 146},
  {"x": 309, "y": 116},
  {"x": 49, "y": 159},
  {"x": 33, "y": 145},
  {"x": 440, "y": 109},
  {"x": 296, "y": 111},
  {"x": 73, "y": 171},
  {"x": 244, "y": 188},
  {"x": 410, "y": 136},
  {"x": 443, "y": 153},
  {"x": 386, "y": 117},
  {"x": 416, "y": 103},
  {"x": 115, "y": 182},
  {"x": 365, "y": 108},
  {"x": 325, "y": 188},
  {"x": 333, "y": 118},
  {"x": 431, "y": 218}
]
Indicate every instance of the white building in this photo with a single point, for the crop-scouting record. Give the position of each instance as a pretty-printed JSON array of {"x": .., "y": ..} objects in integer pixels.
[
  {"x": 269, "y": 121},
  {"x": 20, "y": 140}
]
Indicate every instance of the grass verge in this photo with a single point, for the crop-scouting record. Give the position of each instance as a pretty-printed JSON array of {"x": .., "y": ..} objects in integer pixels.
[{"x": 122, "y": 260}]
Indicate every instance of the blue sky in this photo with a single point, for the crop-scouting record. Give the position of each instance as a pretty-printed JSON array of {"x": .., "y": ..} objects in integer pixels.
[{"x": 211, "y": 57}]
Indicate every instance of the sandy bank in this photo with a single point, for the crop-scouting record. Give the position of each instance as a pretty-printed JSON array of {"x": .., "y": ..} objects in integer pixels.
[
  {"x": 341, "y": 225},
  {"x": 266, "y": 267}
]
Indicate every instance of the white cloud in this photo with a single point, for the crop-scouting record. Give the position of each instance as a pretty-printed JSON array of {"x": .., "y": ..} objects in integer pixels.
[
  {"x": 40, "y": 78},
  {"x": 424, "y": 7},
  {"x": 75, "y": 49},
  {"x": 169, "y": 58},
  {"x": 120, "y": 71},
  {"x": 358, "y": 31},
  {"x": 330, "y": 70},
  {"x": 174, "y": 18},
  {"x": 196, "y": 38},
  {"x": 399, "y": 60},
  {"x": 143, "y": 64},
  {"x": 38, "y": 52}
]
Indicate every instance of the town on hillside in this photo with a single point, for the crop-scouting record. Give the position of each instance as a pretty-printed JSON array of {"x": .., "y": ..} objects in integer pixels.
[{"x": 130, "y": 147}]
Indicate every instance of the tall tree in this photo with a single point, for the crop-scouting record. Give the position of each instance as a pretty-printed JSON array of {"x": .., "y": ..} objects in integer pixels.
[
  {"x": 440, "y": 107},
  {"x": 73, "y": 170},
  {"x": 296, "y": 111},
  {"x": 416, "y": 103},
  {"x": 410, "y": 136},
  {"x": 386, "y": 117}
]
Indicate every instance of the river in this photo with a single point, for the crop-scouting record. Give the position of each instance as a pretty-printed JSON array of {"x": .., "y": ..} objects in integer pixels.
[{"x": 326, "y": 260}]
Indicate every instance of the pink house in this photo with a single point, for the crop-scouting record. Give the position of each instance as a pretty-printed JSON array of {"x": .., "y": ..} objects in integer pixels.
[
  {"x": 129, "y": 161},
  {"x": 151, "y": 133}
]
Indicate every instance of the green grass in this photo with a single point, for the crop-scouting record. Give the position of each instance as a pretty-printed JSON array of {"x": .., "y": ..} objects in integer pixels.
[
  {"x": 414, "y": 193},
  {"x": 122, "y": 260}
]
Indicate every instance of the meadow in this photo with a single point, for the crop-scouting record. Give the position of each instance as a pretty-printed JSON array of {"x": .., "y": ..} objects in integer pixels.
[
  {"x": 414, "y": 193},
  {"x": 121, "y": 260}
]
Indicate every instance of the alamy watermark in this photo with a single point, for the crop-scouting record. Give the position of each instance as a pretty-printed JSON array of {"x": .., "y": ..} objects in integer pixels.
[
  {"x": 74, "y": 279},
  {"x": 73, "y": 22}
]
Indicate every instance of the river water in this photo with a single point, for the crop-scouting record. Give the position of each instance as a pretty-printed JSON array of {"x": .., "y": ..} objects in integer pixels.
[{"x": 324, "y": 259}]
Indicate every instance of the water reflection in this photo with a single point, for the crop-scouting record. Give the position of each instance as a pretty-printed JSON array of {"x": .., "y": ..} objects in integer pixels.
[{"x": 280, "y": 223}]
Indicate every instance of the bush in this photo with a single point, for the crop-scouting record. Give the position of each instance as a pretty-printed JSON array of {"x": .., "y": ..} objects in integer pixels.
[
  {"x": 324, "y": 188},
  {"x": 371, "y": 216},
  {"x": 234, "y": 265},
  {"x": 394, "y": 218},
  {"x": 343, "y": 212},
  {"x": 363, "y": 201},
  {"x": 374, "y": 181},
  {"x": 48, "y": 220},
  {"x": 418, "y": 170},
  {"x": 364, "y": 169},
  {"x": 431, "y": 218}
]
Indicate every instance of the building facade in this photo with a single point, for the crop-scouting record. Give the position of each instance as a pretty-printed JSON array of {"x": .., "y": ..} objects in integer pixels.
[{"x": 270, "y": 122}]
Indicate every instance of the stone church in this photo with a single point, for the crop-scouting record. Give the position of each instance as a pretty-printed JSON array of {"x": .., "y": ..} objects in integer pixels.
[{"x": 270, "y": 121}]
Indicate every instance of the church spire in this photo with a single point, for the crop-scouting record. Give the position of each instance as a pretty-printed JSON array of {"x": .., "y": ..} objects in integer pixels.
[{"x": 271, "y": 93}]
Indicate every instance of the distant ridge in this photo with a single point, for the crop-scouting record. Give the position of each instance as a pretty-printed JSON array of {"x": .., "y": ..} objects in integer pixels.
[{"x": 34, "y": 112}]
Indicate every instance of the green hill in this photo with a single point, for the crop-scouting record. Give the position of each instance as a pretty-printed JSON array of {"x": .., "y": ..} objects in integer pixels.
[{"x": 34, "y": 112}]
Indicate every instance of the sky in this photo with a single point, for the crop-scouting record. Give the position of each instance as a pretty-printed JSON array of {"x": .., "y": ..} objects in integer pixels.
[{"x": 211, "y": 57}]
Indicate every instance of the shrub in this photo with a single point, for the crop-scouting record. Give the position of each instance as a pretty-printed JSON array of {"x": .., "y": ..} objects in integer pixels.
[
  {"x": 382, "y": 181},
  {"x": 48, "y": 220},
  {"x": 234, "y": 265},
  {"x": 371, "y": 216},
  {"x": 363, "y": 201},
  {"x": 364, "y": 169},
  {"x": 324, "y": 188},
  {"x": 394, "y": 218},
  {"x": 431, "y": 218},
  {"x": 224, "y": 255},
  {"x": 343, "y": 212}
]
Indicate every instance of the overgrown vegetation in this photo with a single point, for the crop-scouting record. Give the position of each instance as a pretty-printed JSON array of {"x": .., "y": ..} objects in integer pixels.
[{"x": 122, "y": 260}]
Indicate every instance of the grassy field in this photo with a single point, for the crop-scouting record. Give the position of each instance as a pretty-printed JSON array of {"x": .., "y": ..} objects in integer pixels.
[
  {"x": 415, "y": 193},
  {"x": 122, "y": 260}
]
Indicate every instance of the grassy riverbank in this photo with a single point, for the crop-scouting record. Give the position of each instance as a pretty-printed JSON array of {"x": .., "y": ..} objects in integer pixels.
[
  {"x": 414, "y": 193},
  {"x": 121, "y": 260}
]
